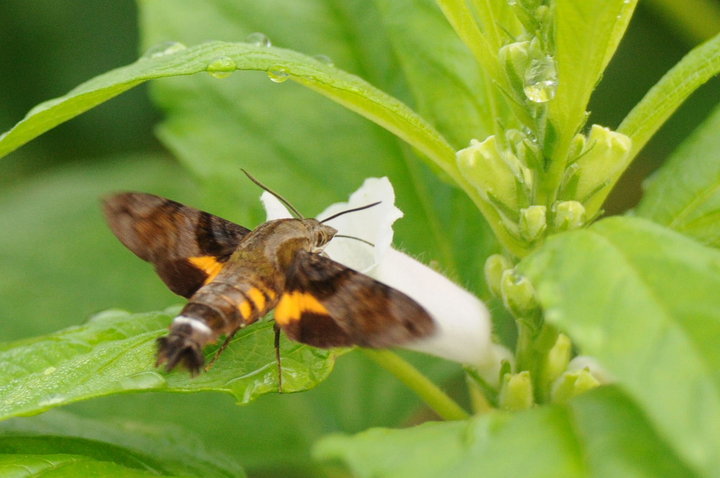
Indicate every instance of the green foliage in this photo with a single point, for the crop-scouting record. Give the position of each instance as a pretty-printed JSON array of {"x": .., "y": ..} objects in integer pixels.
[
  {"x": 684, "y": 194},
  {"x": 649, "y": 314},
  {"x": 60, "y": 444},
  {"x": 478, "y": 114},
  {"x": 113, "y": 353},
  {"x": 585, "y": 438}
]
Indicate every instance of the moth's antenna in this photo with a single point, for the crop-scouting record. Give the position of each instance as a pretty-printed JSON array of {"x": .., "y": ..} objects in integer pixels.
[
  {"x": 294, "y": 211},
  {"x": 350, "y": 210},
  {"x": 356, "y": 238}
]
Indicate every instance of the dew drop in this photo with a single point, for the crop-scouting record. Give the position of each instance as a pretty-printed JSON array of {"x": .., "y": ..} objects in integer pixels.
[
  {"x": 324, "y": 59},
  {"x": 108, "y": 316},
  {"x": 278, "y": 74},
  {"x": 540, "y": 82},
  {"x": 51, "y": 400},
  {"x": 164, "y": 48},
  {"x": 221, "y": 67},
  {"x": 143, "y": 381},
  {"x": 258, "y": 39}
]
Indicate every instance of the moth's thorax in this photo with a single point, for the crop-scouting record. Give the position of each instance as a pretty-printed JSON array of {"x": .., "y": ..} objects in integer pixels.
[
  {"x": 281, "y": 239},
  {"x": 252, "y": 280}
]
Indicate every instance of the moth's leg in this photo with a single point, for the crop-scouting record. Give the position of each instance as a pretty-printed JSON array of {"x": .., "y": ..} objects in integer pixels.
[
  {"x": 222, "y": 348},
  {"x": 277, "y": 355}
]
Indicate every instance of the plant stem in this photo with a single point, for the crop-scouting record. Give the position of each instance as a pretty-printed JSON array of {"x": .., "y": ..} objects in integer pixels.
[{"x": 435, "y": 398}]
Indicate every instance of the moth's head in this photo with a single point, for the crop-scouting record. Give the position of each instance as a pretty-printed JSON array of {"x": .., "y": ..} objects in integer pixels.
[{"x": 320, "y": 233}]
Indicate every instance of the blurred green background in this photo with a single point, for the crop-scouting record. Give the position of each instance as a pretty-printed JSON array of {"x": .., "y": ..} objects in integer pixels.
[{"x": 55, "y": 249}]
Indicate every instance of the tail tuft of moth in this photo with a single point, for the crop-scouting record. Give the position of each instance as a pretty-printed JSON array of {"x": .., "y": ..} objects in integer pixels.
[
  {"x": 182, "y": 346},
  {"x": 174, "y": 350}
]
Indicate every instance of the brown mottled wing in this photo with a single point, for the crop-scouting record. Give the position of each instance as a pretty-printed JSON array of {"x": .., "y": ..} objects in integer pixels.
[
  {"x": 187, "y": 246},
  {"x": 329, "y": 305}
]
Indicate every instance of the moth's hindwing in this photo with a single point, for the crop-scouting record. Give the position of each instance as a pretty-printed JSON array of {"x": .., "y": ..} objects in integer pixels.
[
  {"x": 326, "y": 304},
  {"x": 188, "y": 247}
]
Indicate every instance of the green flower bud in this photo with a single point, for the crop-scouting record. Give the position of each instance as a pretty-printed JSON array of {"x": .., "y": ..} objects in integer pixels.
[
  {"x": 556, "y": 361},
  {"x": 495, "y": 265},
  {"x": 518, "y": 293},
  {"x": 577, "y": 146},
  {"x": 601, "y": 163},
  {"x": 516, "y": 392},
  {"x": 568, "y": 215},
  {"x": 525, "y": 148},
  {"x": 533, "y": 222},
  {"x": 495, "y": 174},
  {"x": 515, "y": 58},
  {"x": 572, "y": 384}
]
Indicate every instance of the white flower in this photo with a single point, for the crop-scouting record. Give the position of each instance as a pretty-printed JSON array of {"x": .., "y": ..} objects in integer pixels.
[{"x": 463, "y": 322}]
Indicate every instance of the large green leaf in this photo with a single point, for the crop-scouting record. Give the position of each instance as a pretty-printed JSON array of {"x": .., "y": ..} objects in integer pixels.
[
  {"x": 643, "y": 300},
  {"x": 59, "y": 442},
  {"x": 601, "y": 434},
  {"x": 114, "y": 353},
  {"x": 223, "y": 58},
  {"x": 684, "y": 194}
]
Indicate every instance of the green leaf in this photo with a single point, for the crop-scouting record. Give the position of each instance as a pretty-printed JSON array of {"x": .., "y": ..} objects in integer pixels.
[
  {"x": 274, "y": 434},
  {"x": 599, "y": 434},
  {"x": 684, "y": 194},
  {"x": 646, "y": 118},
  {"x": 587, "y": 35},
  {"x": 64, "y": 466},
  {"x": 344, "y": 88},
  {"x": 643, "y": 301},
  {"x": 138, "y": 446},
  {"x": 114, "y": 353}
]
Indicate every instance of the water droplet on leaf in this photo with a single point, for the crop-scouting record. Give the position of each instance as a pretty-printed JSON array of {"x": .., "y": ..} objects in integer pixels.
[
  {"x": 221, "y": 67},
  {"x": 258, "y": 39},
  {"x": 142, "y": 381},
  {"x": 51, "y": 400},
  {"x": 540, "y": 82},
  {"x": 324, "y": 59},
  {"x": 164, "y": 48},
  {"x": 278, "y": 74}
]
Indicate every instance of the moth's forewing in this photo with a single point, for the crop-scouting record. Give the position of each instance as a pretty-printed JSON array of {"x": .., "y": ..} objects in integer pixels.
[
  {"x": 328, "y": 305},
  {"x": 187, "y": 246}
]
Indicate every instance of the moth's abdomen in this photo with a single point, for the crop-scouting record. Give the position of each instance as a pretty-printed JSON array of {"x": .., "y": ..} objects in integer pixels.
[
  {"x": 224, "y": 308},
  {"x": 216, "y": 309}
]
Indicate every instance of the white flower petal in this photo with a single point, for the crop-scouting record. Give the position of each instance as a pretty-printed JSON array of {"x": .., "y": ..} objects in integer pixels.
[
  {"x": 463, "y": 321},
  {"x": 373, "y": 225},
  {"x": 274, "y": 209}
]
